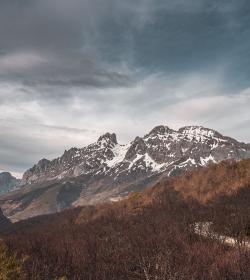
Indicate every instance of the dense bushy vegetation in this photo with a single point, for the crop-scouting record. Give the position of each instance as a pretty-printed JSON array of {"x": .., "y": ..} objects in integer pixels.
[
  {"x": 148, "y": 236},
  {"x": 207, "y": 183},
  {"x": 10, "y": 267}
]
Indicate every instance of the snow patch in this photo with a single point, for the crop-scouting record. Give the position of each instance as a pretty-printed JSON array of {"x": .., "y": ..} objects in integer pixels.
[
  {"x": 206, "y": 160},
  {"x": 119, "y": 152},
  {"x": 186, "y": 162}
]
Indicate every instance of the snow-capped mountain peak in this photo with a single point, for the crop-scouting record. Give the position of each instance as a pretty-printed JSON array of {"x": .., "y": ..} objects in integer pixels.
[
  {"x": 161, "y": 150},
  {"x": 108, "y": 139}
]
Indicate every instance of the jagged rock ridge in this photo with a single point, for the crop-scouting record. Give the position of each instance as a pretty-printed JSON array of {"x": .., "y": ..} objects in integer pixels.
[
  {"x": 106, "y": 170},
  {"x": 160, "y": 150}
]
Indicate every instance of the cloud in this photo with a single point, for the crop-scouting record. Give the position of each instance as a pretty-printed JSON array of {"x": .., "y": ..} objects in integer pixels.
[
  {"x": 39, "y": 69},
  {"x": 82, "y": 42},
  {"x": 73, "y": 70},
  {"x": 23, "y": 142},
  {"x": 19, "y": 62}
]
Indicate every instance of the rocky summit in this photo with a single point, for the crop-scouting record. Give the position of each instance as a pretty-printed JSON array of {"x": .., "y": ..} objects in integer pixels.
[{"x": 108, "y": 171}]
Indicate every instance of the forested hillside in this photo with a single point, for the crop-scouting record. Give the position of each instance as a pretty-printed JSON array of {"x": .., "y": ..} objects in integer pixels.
[{"x": 150, "y": 235}]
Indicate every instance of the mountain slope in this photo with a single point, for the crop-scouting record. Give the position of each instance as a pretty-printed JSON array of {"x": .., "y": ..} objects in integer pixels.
[
  {"x": 4, "y": 222},
  {"x": 203, "y": 185},
  {"x": 108, "y": 171},
  {"x": 7, "y": 182}
]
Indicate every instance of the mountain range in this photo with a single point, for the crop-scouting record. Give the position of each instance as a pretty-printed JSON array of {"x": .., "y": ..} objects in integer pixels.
[{"x": 108, "y": 171}]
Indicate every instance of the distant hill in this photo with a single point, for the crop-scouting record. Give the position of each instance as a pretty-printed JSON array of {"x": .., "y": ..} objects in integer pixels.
[{"x": 8, "y": 182}]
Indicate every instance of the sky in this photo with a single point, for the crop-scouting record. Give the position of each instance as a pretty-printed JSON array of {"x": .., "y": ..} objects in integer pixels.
[{"x": 73, "y": 70}]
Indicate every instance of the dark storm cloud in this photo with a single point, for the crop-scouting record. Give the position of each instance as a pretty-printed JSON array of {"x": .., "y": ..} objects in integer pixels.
[
  {"x": 80, "y": 41},
  {"x": 53, "y": 42}
]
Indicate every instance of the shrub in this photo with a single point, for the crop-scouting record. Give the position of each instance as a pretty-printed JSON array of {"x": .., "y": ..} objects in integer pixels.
[{"x": 10, "y": 267}]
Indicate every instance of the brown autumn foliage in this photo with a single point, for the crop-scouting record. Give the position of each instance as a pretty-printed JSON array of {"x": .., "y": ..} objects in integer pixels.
[
  {"x": 147, "y": 236},
  {"x": 206, "y": 183}
]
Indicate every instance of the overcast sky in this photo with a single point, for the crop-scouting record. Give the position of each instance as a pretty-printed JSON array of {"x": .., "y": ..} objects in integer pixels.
[{"x": 70, "y": 70}]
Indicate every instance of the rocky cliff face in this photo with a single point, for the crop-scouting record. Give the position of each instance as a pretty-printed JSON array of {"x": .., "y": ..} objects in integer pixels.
[
  {"x": 106, "y": 170},
  {"x": 74, "y": 162},
  {"x": 8, "y": 182},
  {"x": 163, "y": 149}
]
